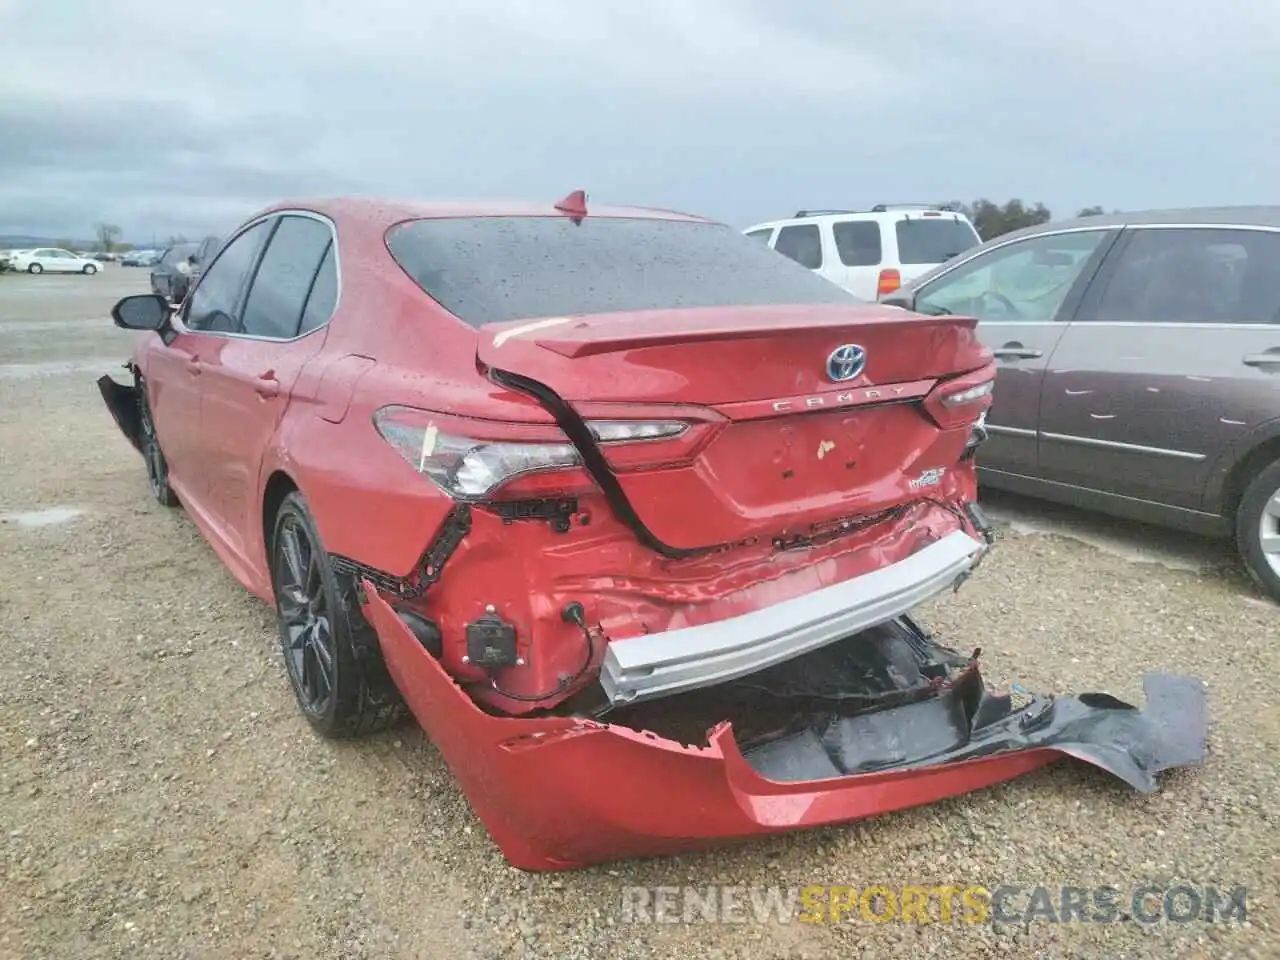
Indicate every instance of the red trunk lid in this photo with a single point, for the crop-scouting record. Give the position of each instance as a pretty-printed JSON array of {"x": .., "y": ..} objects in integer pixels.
[{"x": 790, "y": 446}]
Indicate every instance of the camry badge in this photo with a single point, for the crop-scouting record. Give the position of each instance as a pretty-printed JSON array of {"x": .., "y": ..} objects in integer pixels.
[{"x": 846, "y": 362}]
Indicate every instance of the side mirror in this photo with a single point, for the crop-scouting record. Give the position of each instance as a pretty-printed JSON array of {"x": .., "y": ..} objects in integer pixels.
[
  {"x": 904, "y": 299},
  {"x": 143, "y": 311}
]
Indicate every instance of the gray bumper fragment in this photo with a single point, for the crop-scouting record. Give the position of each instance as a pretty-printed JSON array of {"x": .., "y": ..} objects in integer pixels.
[{"x": 660, "y": 664}]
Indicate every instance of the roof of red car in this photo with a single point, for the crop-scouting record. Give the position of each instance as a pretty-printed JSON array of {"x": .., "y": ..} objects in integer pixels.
[{"x": 388, "y": 211}]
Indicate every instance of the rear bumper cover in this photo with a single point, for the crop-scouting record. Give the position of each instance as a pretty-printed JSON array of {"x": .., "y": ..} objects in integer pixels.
[
  {"x": 563, "y": 792},
  {"x": 660, "y": 664},
  {"x": 122, "y": 401}
]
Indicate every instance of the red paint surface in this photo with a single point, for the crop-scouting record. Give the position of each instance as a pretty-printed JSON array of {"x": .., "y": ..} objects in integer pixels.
[
  {"x": 559, "y": 793},
  {"x": 744, "y": 473}
]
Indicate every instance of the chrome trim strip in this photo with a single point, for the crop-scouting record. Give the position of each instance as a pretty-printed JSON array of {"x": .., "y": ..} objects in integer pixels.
[
  {"x": 660, "y": 664},
  {"x": 990, "y": 472},
  {"x": 1127, "y": 447},
  {"x": 1010, "y": 431},
  {"x": 1168, "y": 325},
  {"x": 1204, "y": 226}
]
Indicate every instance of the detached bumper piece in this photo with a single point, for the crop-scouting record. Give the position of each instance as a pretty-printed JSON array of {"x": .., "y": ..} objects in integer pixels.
[
  {"x": 874, "y": 722},
  {"x": 122, "y": 401},
  {"x": 660, "y": 664}
]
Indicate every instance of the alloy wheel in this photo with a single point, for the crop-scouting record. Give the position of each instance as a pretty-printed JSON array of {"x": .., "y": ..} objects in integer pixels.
[
  {"x": 305, "y": 617},
  {"x": 1269, "y": 532},
  {"x": 156, "y": 469}
]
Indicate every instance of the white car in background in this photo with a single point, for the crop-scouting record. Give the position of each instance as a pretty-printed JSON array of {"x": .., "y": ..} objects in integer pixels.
[
  {"x": 52, "y": 260},
  {"x": 873, "y": 252}
]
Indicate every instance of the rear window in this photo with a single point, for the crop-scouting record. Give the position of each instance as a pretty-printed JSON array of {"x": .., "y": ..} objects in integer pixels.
[
  {"x": 933, "y": 239},
  {"x": 494, "y": 269},
  {"x": 803, "y": 244},
  {"x": 858, "y": 242}
]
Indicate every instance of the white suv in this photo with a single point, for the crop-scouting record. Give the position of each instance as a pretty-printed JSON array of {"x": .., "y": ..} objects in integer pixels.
[{"x": 873, "y": 252}]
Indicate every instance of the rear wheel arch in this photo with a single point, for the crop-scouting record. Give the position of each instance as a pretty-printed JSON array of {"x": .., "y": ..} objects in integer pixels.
[
  {"x": 279, "y": 485},
  {"x": 1242, "y": 473}
]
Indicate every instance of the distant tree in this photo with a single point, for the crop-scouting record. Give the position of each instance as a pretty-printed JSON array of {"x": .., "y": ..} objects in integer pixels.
[
  {"x": 175, "y": 240},
  {"x": 1091, "y": 212},
  {"x": 108, "y": 234},
  {"x": 992, "y": 219},
  {"x": 64, "y": 244}
]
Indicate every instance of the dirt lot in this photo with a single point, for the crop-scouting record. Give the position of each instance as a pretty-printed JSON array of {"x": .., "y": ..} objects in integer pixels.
[{"x": 160, "y": 796}]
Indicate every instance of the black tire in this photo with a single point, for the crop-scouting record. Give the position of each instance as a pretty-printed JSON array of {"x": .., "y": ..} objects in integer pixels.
[
  {"x": 89, "y": 270},
  {"x": 331, "y": 653},
  {"x": 1259, "y": 514},
  {"x": 157, "y": 466},
  {"x": 34, "y": 268}
]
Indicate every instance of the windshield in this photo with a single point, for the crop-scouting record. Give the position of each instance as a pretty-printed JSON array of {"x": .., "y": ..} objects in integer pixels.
[
  {"x": 494, "y": 269},
  {"x": 933, "y": 239}
]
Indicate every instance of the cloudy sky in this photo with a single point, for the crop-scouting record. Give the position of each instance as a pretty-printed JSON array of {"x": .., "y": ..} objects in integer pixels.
[{"x": 172, "y": 117}]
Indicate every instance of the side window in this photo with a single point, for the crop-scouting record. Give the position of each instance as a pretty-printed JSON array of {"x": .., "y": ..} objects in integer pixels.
[
  {"x": 284, "y": 278},
  {"x": 802, "y": 243},
  {"x": 214, "y": 302},
  {"x": 1195, "y": 275},
  {"x": 1027, "y": 280},
  {"x": 858, "y": 243},
  {"x": 324, "y": 294},
  {"x": 761, "y": 235}
]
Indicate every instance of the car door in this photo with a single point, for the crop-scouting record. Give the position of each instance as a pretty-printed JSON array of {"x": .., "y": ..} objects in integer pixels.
[
  {"x": 160, "y": 278},
  {"x": 1172, "y": 359},
  {"x": 198, "y": 331},
  {"x": 60, "y": 261},
  {"x": 249, "y": 375},
  {"x": 1019, "y": 291}
]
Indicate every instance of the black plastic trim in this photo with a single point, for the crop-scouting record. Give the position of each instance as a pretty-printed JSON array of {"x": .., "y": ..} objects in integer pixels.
[{"x": 594, "y": 461}]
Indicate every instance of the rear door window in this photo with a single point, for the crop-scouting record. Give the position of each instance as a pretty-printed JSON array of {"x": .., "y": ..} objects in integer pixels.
[
  {"x": 858, "y": 242},
  {"x": 284, "y": 278},
  {"x": 324, "y": 294},
  {"x": 1195, "y": 275},
  {"x": 933, "y": 239},
  {"x": 802, "y": 243}
]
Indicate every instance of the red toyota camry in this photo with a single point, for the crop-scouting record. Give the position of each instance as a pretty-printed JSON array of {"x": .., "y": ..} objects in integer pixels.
[{"x": 628, "y": 509}]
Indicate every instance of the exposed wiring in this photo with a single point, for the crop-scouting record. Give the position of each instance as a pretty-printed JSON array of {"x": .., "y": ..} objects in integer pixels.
[{"x": 572, "y": 613}]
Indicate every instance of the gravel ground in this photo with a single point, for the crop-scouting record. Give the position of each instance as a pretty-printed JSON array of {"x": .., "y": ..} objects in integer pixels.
[{"x": 160, "y": 796}]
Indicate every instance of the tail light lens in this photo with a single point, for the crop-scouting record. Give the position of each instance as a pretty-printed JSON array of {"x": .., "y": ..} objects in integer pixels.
[
  {"x": 888, "y": 282},
  {"x": 963, "y": 399},
  {"x": 477, "y": 460},
  {"x": 969, "y": 395}
]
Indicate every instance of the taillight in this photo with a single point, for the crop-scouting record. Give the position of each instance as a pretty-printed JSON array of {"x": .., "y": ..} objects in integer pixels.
[
  {"x": 962, "y": 399},
  {"x": 969, "y": 395},
  {"x": 889, "y": 281},
  {"x": 478, "y": 460}
]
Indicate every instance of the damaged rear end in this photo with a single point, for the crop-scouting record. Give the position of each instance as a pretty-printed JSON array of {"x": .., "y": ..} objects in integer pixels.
[
  {"x": 883, "y": 721},
  {"x": 687, "y": 569},
  {"x": 725, "y": 462}
]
